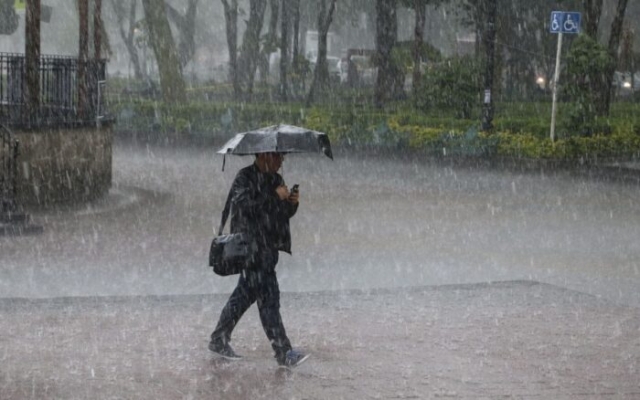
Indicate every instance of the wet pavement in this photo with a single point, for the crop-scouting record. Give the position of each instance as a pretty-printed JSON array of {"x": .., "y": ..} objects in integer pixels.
[
  {"x": 517, "y": 340},
  {"x": 364, "y": 222},
  {"x": 114, "y": 299}
]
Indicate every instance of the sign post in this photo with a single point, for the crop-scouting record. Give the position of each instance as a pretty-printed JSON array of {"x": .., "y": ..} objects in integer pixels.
[{"x": 561, "y": 22}]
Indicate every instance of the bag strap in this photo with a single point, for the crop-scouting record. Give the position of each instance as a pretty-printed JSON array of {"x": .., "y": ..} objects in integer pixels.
[{"x": 225, "y": 212}]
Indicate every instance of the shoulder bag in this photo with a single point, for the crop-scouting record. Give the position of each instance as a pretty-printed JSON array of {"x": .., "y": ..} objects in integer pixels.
[{"x": 232, "y": 253}]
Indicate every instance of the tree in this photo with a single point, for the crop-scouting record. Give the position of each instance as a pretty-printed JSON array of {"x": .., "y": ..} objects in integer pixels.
[
  {"x": 418, "y": 38},
  {"x": 32, "y": 60},
  {"x": 97, "y": 28},
  {"x": 627, "y": 59},
  {"x": 295, "y": 10},
  {"x": 270, "y": 41},
  {"x": 284, "y": 48},
  {"x": 128, "y": 35},
  {"x": 321, "y": 71},
  {"x": 602, "y": 84},
  {"x": 8, "y": 17},
  {"x": 587, "y": 62},
  {"x": 419, "y": 8},
  {"x": 164, "y": 48},
  {"x": 386, "y": 36},
  {"x": 524, "y": 46},
  {"x": 592, "y": 13},
  {"x": 614, "y": 44},
  {"x": 251, "y": 45},
  {"x": 186, "y": 25},
  {"x": 231, "y": 21}
]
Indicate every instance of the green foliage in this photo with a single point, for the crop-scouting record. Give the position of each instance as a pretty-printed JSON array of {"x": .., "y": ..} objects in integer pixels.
[
  {"x": 402, "y": 54},
  {"x": 522, "y": 129},
  {"x": 620, "y": 144},
  {"x": 588, "y": 62},
  {"x": 451, "y": 84},
  {"x": 202, "y": 118},
  {"x": 523, "y": 125}
]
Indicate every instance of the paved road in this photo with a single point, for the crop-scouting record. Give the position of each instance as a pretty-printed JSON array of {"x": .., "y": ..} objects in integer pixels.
[
  {"x": 514, "y": 340},
  {"x": 378, "y": 225},
  {"x": 364, "y": 222}
]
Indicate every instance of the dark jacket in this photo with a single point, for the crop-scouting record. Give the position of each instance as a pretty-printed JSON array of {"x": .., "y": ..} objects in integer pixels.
[{"x": 257, "y": 210}]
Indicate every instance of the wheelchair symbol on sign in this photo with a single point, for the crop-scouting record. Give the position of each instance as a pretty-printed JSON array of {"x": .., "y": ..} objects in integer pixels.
[
  {"x": 569, "y": 24},
  {"x": 555, "y": 25},
  {"x": 565, "y": 22}
]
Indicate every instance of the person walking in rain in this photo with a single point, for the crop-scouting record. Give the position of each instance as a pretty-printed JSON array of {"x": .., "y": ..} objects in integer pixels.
[{"x": 261, "y": 205}]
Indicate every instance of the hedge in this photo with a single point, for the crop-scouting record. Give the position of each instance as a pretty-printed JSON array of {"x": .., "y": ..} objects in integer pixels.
[{"x": 514, "y": 135}]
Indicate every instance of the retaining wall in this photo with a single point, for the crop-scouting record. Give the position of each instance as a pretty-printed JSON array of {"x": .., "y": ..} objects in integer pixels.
[{"x": 63, "y": 165}]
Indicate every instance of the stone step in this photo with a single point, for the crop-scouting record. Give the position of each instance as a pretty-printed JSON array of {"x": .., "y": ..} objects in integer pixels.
[
  {"x": 14, "y": 217},
  {"x": 20, "y": 229}
]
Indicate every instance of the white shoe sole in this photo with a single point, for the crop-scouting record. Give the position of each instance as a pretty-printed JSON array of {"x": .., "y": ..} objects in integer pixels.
[
  {"x": 303, "y": 359},
  {"x": 229, "y": 358}
]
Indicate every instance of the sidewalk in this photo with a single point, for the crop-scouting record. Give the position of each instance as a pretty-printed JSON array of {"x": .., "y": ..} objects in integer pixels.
[{"x": 518, "y": 339}]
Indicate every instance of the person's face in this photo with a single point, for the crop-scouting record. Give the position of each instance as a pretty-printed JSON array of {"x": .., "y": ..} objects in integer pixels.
[{"x": 273, "y": 161}]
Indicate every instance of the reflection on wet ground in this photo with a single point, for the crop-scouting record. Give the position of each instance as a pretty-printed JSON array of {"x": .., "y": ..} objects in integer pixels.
[
  {"x": 487, "y": 341},
  {"x": 365, "y": 222}
]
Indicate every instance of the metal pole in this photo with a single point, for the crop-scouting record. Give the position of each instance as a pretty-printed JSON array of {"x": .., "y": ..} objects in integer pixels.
[{"x": 554, "y": 87}]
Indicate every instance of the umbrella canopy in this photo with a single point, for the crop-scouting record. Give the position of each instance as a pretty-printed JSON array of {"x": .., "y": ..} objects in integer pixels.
[{"x": 278, "y": 139}]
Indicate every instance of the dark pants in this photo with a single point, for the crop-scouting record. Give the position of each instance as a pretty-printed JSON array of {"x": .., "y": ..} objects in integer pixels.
[{"x": 257, "y": 284}]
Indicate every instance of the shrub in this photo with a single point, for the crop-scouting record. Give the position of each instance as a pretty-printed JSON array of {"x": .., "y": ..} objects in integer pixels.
[
  {"x": 588, "y": 62},
  {"x": 451, "y": 84}
]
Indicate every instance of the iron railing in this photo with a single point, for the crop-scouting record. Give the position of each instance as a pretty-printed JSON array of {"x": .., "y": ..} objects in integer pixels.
[{"x": 59, "y": 104}]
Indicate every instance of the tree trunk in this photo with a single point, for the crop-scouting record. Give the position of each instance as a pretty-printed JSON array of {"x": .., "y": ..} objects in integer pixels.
[
  {"x": 187, "y": 28},
  {"x": 592, "y": 13},
  {"x": 299, "y": 74},
  {"x": 128, "y": 37},
  {"x": 83, "y": 56},
  {"x": 251, "y": 44},
  {"x": 231, "y": 20},
  {"x": 270, "y": 44},
  {"x": 164, "y": 48},
  {"x": 296, "y": 35},
  {"x": 421, "y": 16},
  {"x": 490, "y": 59},
  {"x": 32, "y": 60},
  {"x": 284, "y": 49},
  {"x": 385, "y": 40},
  {"x": 97, "y": 30},
  {"x": 321, "y": 71},
  {"x": 614, "y": 45},
  {"x": 478, "y": 24}
]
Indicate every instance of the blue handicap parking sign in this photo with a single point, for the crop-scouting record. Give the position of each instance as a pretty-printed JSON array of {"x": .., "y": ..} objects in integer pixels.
[{"x": 565, "y": 22}]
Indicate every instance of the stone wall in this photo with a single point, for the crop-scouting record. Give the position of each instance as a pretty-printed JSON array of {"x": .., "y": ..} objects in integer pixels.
[{"x": 63, "y": 165}]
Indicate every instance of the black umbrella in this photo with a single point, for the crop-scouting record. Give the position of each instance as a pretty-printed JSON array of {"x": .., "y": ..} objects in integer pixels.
[{"x": 278, "y": 139}]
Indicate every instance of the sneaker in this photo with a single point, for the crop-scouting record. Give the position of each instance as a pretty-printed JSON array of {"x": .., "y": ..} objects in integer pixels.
[
  {"x": 224, "y": 350},
  {"x": 292, "y": 359}
]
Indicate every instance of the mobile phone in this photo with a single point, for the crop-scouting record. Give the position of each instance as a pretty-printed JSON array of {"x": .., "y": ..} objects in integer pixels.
[{"x": 294, "y": 189}]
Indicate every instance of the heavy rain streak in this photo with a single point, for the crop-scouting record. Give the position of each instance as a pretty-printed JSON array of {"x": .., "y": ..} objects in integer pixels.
[{"x": 423, "y": 199}]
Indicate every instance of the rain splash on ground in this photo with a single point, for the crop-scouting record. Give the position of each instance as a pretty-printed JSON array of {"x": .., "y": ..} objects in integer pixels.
[{"x": 386, "y": 287}]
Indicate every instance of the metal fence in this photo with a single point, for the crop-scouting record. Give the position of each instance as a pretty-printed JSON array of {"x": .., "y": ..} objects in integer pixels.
[{"x": 60, "y": 104}]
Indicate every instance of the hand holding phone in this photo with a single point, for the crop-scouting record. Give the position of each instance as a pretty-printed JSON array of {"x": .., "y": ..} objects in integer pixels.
[{"x": 293, "y": 195}]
